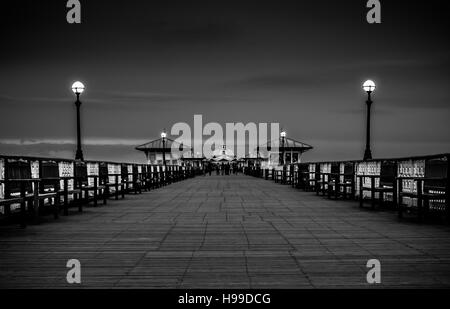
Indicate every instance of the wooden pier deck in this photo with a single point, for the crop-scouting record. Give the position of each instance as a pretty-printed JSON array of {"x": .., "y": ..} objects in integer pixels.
[{"x": 225, "y": 232}]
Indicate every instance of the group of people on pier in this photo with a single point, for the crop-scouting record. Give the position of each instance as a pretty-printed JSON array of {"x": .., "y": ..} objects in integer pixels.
[{"x": 222, "y": 169}]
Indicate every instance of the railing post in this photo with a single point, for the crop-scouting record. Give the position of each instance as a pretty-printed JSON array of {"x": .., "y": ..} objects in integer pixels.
[
  {"x": 66, "y": 197},
  {"x": 395, "y": 187},
  {"x": 400, "y": 199},
  {"x": 95, "y": 191},
  {"x": 7, "y": 190},
  {"x": 35, "y": 185},
  {"x": 447, "y": 191},
  {"x": 319, "y": 183},
  {"x": 57, "y": 199},
  {"x": 23, "y": 210},
  {"x": 372, "y": 192},
  {"x": 104, "y": 182},
  {"x": 124, "y": 185},
  {"x": 361, "y": 197},
  {"x": 80, "y": 201},
  {"x": 419, "y": 199},
  {"x": 116, "y": 186}
]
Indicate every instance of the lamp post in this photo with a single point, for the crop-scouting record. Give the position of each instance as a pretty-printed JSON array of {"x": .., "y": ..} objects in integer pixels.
[
  {"x": 78, "y": 89},
  {"x": 369, "y": 87},
  {"x": 283, "y": 137},
  {"x": 163, "y": 136}
]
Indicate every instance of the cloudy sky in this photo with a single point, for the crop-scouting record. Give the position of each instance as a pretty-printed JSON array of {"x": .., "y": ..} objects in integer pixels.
[{"x": 148, "y": 66}]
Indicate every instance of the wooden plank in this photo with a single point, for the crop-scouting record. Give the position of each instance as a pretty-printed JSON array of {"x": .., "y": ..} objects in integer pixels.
[{"x": 225, "y": 232}]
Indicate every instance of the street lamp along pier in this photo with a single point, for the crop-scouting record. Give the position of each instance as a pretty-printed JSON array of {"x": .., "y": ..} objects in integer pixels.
[
  {"x": 368, "y": 86},
  {"x": 78, "y": 88}
]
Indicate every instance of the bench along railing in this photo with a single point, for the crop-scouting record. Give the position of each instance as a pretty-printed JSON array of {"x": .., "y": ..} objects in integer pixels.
[
  {"x": 31, "y": 186},
  {"x": 416, "y": 185}
]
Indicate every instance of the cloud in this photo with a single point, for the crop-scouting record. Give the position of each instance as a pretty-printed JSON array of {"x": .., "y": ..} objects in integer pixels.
[
  {"x": 124, "y": 99},
  {"x": 189, "y": 31},
  {"x": 118, "y": 153},
  {"x": 322, "y": 76},
  {"x": 279, "y": 81},
  {"x": 87, "y": 141},
  {"x": 6, "y": 99}
]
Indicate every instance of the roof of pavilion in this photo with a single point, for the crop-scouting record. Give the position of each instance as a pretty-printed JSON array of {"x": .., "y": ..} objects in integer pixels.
[
  {"x": 157, "y": 145},
  {"x": 223, "y": 158},
  {"x": 291, "y": 145}
]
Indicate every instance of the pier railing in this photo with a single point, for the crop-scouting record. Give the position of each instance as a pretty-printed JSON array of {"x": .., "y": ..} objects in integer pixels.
[
  {"x": 418, "y": 185},
  {"x": 30, "y": 186}
]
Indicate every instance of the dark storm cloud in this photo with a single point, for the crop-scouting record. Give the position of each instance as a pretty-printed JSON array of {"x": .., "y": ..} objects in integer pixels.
[
  {"x": 326, "y": 75},
  {"x": 190, "y": 32}
]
